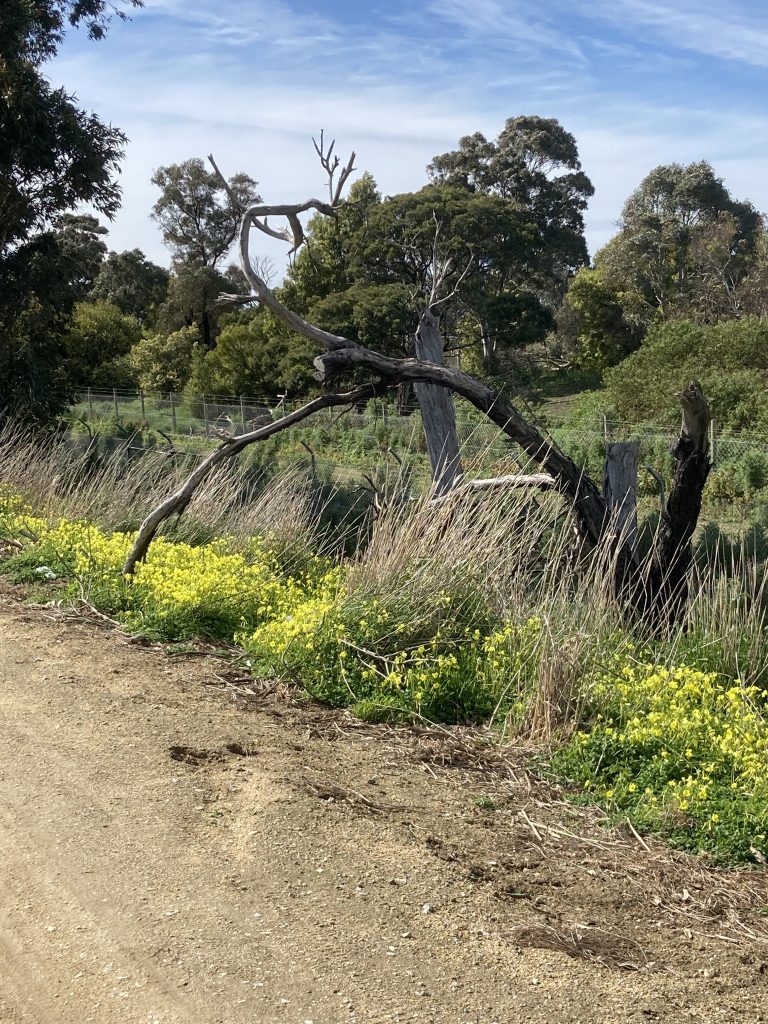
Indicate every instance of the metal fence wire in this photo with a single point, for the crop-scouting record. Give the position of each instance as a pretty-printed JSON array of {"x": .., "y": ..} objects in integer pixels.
[{"x": 369, "y": 434}]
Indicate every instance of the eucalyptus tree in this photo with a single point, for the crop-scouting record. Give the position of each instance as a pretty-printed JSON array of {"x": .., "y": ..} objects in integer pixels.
[
  {"x": 134, "y": 284},
  {"x": 198, "y": 213},
  {"x": 53, "y": 157},
  {"x": 683, "y": 248}
]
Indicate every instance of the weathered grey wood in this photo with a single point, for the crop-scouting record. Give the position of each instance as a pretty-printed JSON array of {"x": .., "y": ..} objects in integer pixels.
[
  {"x": 620, "y": 490},
  {"x": 569, "y": 479},
  {"x": 177, "y": 502},
  {"x": 511, "y": 482},
  {"x": 438, "y": 412}
]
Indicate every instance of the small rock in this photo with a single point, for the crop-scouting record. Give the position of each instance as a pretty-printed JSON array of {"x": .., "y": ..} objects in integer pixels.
[{"x": 427, "y": 909}]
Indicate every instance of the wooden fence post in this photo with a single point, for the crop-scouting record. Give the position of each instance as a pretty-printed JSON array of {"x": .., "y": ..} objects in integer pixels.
[
  {"x": 114, "y": 400},
  {"x": 173, "y": 413},
  {"x": 620, "y": 488}
]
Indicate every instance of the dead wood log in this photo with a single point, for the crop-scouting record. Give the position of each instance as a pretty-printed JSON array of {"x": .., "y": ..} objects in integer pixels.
[
  {"x": 568, "y": 478},
  {"x": 656, "y": 591},
  {"x": 663, "y": 585},
  {"x": 176, "y": 503},
  {"x": 515, "y": 481},
  {"x": 665, "y": 593}
]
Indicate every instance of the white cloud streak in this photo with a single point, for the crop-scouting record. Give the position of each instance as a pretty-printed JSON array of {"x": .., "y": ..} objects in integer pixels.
[
  {"x": 180, "y": 82},
  {"x": 724, "y": 29}
]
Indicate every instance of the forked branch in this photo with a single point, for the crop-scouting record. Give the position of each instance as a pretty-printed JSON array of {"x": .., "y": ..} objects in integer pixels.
[
  {"x": 176, "y": 503},
  {"x": 330, "y": 163}
]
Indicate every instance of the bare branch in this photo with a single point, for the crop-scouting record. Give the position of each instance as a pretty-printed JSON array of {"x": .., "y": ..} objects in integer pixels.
[
  {"x": 229, "y": 299},
  {"x": 266, "y": 296},
  {"x": 330, "y": 164},
  {"x": 177, "y": 502},
  {"x": 660, "y": 483},
  {"x": 452, "y": 293},
  {"x": 225, "y": 185}
]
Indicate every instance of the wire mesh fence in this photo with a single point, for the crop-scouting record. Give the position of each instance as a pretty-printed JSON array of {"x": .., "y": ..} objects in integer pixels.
[{"x": 380, "y": 438}]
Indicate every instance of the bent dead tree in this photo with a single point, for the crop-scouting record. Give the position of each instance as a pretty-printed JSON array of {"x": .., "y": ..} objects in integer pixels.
[{"x": 655, "y": 588}]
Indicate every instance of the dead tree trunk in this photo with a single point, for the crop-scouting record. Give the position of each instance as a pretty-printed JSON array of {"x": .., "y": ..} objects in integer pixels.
[
  {"x": 665, "y": 591},
  {"x": 660, "y": 591},
  {"x": 620, "y": 490},
  {"x": 656, "y": 591},
  {"x": 438, "y": 413}
]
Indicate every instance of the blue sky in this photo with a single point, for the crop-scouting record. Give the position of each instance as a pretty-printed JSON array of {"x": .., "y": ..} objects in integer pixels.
[{"x": 638, "y": 82}]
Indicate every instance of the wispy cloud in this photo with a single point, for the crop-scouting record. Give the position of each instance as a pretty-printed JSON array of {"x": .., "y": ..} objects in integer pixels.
[
  {"x": 505, "y": 23},
  {"x": 727, "y": 30},
  {"x": 254, "y": 81}
]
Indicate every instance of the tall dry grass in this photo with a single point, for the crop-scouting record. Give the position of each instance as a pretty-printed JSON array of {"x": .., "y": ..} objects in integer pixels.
[
  {"x": 116, "y": 488},
  {"x": 512, "y": 554},
  {"x": 503, "y": 556}
]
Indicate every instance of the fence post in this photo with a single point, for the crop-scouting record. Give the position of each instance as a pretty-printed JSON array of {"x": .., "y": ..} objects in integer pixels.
[
  {"x": 242, "y": 413},
  {"x": 114, "y": 399},
  {"x": 205, "y": 415},
  {"x": 712, "y": 441},
  {"x": 90, "y": 405},
  {"x": 620, "y": 488},
  {"x": 173, "y": 413},
  {"x": 143, "y": 410}
]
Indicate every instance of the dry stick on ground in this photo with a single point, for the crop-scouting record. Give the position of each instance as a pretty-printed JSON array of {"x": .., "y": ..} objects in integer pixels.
[{"x": 177, "y": 502}]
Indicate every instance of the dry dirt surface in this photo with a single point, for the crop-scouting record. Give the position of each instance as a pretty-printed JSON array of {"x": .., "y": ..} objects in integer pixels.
[{"x": 178, "y": 845}]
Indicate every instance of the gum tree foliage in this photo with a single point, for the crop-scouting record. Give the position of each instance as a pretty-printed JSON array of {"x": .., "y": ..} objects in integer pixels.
[
  {"x": 161, "y": 362},
  {"x": 591, "y": 323},
  {"x": 198, "y": 217},
  {"x": 684, "y": 247},
  {"x": 255, "y": 356},
  {"x": 534, "y": 165},
  {"x": 81, "y": 241},
  {"x": 133, "y": 283},
  {"x": 509, "y": 218},
  {"x": 98, "y": 338},
  {"x": 53, "y": 156}
]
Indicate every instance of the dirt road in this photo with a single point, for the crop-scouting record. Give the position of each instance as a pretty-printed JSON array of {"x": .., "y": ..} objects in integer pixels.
[{"x": 175, "y": 852}]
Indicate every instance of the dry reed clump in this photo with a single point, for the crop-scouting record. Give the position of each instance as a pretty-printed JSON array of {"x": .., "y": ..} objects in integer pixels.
[{"x": 116, "y": 489}]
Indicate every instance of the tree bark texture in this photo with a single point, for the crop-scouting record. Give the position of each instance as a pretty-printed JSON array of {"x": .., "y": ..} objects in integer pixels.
[
  {"x": 666, "y": 589},
  {"x": 438, "y": 412}
]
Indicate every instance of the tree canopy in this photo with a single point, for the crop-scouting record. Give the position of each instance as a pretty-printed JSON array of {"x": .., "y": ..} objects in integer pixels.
[
  {"x": 133, "y": 283},
  {"x": 53, "y": 157},
  {"x": 197, "y": 215},
  {"x": 684, "y": 245}
]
